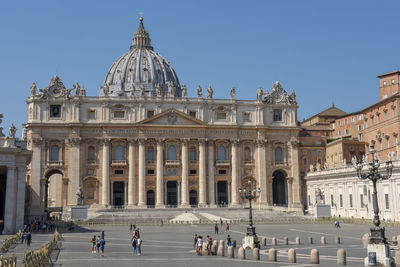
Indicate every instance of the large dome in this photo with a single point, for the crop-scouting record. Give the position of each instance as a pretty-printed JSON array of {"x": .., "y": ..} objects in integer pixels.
[{"x": 140, "y": 71}]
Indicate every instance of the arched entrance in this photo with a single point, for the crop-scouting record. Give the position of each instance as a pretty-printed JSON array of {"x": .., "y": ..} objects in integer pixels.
[
  {"x": 279, "y": 189},
  {"x": 3, "y": 183},
  {"x": 150, "y": 199},
  {"x": 118, "y": 193},
  {"x": 172, "y": 193},
  {"x": 193, "y": 198},
  {"x": 222, "y": 193},
  {"x": 54, "y": 198}
]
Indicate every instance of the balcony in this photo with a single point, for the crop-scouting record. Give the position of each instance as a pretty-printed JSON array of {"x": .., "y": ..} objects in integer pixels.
[
  {"x": 55, "y": 163},
  {"x": 118, "y": 163},
  {"x": 170, "y": 163},
  {"x": 220, "y": 163}
]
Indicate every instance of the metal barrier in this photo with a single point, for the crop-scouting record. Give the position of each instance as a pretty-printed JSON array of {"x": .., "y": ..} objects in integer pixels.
[
  {"x": 11, "y": 240},
  {"x": 10, "y": 261},
  {"x": 41, "y": 256}
]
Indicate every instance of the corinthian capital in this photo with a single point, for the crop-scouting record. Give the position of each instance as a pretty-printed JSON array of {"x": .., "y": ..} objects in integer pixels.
[
  {"x": 74, "y": 141},
  {"x": 37, "y": 141},
  {"x": 261, "y": 142}
]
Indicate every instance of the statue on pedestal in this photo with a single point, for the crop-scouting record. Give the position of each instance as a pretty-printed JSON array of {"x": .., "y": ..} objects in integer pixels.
[
  {"x": 199, "y": 92},
  {"x": 12, "y": 131},
  {"x": 210, "y": 92},
  {"x": 233, "y": 93},
  {"x": 80, "y": 196},
  {"x": 33, "y": 89}
]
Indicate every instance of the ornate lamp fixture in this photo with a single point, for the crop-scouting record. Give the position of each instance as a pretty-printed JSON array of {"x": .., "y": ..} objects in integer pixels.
[{"x": 250, "y": 192}]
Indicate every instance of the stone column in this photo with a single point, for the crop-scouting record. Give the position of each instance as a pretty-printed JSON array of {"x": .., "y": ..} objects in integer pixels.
[
  {"x": 211, "y": 188},
  {"x": 142, "y": 175},
  {"x": 296, "y": 186},
  {"x": 10, "y": 205},
  {"x": 202, "y": 173},
  {"x": 289, "y": 181},
  {"x": 131, "y": 173},
  {"x": 216, "y": 193},
  {"x": 106, "y": 172},
  {"x": 261, "y": 170},
  {"x": 178, "y": 193},
  {"x": 20, "y": 197},
  {"x": 235, "y": 175},
  {"x": 37, "y": 205},
  {"x": 269, "y": 191},
  {"x": 75, "y": 171},
  {"x": 228, "y": 190},
  {"x": 165, "y": 192},
  {"x": 185, "y": 175},
  {"x": 125, "y": 193},
  {"x": 112, "y": 194},
  {"x": 160, "y": 174}
]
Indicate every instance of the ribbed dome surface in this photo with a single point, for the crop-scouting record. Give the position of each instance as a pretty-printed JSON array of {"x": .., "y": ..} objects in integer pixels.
[{"x": 140, "y": 69}]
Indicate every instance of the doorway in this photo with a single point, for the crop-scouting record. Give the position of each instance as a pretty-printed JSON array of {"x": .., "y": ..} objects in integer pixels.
[
  {"x": 119, "y": 193},
  {"x": 172, "y": 193},
  {"x": 150, "y": 199},
  {"x": 222, "y": 193},
  {"x": 193, "y": 198},
  {"x": 279, "y": 189}
]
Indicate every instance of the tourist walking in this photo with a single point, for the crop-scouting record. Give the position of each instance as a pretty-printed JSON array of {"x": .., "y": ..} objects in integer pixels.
[
  {"x": 134, "y": 246},
  {"x": 195, "y": 240},
  {"x": 102, "y": 244},
  {"x": 139, "y": 246},
  {"x": 221, "y": 222},
  {"x": 209, "y": 244},
  {"x": 94, "y": 244},
  {"x": 102, "y": 235},
  {"x": 229, "y": 241},
  {"x": 227, "y": 227},
  {"x": 28, "y": 239},
  {"x": 199, "y": 246},
  {"x": 98, "y": 244},
  {"x": 216, "y": 228}
]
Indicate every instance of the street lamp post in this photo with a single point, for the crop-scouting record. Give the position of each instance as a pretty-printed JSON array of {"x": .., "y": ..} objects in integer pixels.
[
  {"x": 250, "y": 192},
  {"x": 377, "y": 238}
]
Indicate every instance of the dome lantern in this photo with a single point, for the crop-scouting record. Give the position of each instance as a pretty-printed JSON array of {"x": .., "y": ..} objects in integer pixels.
[{"x": 141, "y": 39}]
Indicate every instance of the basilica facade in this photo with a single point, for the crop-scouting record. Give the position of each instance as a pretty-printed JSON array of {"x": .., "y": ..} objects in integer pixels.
[{"x": 144, "y": 143}]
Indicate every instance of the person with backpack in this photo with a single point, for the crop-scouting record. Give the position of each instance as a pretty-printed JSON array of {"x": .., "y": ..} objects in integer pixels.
[
  {"x": 102, "y": 244},
  {"x": 134, "y": 246},
  {"x": 28, "y": 239}
]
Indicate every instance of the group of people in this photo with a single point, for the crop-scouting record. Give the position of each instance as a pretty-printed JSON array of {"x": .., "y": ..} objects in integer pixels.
[
  {"x": 26, "y": 237},
  {"x": 198, "y": 244},
  {"x": 37, "y": 225},
  {"x": 136, "y": 240},
  {"x": 216, "y": 227},
  {"x": 98, "y": 244},
  {"x": 337, "y": 224}
]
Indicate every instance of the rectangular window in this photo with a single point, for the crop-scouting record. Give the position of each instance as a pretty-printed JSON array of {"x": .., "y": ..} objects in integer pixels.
[
  {"x": 309, "y": 200},
  {"x": 332, "y": 200},
  {"x": 341, "y": 200},
  {"x": 193, "y": 114},
  {"x": 119, "y": 114},
  {"x": 192, "y": 172},
  {"x": 221, "y": 115},
  {"x": 346, "y": 132},
  {"x": 361, "y": 201},
  {"x": 221, "y": 172},
  {"x": 118, "y": 171},
  {"x": 394, "y": 112},
  {"x": 339, "y": 123},
  {"x": 150, "y": 172},
  {"x": 92, "y": 114},
  {"x": 351, "y": 200},
  {"x": 366, "y": 124},
  {"x": 345, "y": 121},
  {"x": 387, "y": 201},
  {"x": 277, "y": 115},
  {"x": 353, "y": 119},
  {"x": 360, "y": 127},
  {"x": 386, "y": 116},
  {"x": 340, "y": 133},
  {"x": 150, "y": 113},
  {"x": 360, "y": 137},
  {"x": 246, "y": 116},
  {"x": 55, "y": 111}
]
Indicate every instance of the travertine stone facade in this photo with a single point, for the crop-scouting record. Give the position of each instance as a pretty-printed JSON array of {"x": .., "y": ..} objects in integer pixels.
[
  {"x": 14, "y": 157},
  {"x": 145, "y": 143}
]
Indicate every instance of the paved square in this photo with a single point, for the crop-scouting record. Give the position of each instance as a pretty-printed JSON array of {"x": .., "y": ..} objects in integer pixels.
[{"x": 172, "y": 245}]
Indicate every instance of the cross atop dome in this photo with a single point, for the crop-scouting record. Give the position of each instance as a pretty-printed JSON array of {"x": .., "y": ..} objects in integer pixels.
[{"x": 141, "y": 39}]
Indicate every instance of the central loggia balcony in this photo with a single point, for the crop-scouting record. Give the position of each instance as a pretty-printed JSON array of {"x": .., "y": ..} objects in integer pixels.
[
  {"x": 223, "y": 163},
  {"x": 118, "y": 163}
]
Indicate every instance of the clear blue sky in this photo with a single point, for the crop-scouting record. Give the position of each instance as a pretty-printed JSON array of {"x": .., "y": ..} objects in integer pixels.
[{"x": 328, "y": 51}]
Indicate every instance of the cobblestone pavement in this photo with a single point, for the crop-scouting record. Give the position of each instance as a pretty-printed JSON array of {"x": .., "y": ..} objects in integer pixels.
[{"x": 172, "y": 245}]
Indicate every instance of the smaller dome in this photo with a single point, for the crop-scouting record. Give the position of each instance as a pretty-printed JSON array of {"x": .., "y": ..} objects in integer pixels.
[{"x": 141, "y": 70}]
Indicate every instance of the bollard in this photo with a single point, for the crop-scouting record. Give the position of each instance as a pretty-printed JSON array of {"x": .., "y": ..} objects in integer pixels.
[
  {"x": 231, "y": 252},
  {"x": 256, "y": 254},
  {"x": 273, "y": 241},
  {"x": 341, "y": 257},
  {"x": 242, "y": 253},
  {"x": 314, "y": 256},
  {"x": 204, "y": 250},
  {"x": 337, "y": 239},
  {"x": 214, "y": 247},
  {"x": 297, "y": 240},
  {"x": 397, "y": 258},
  {"x": 365, "y": 240},
  {"x": 310, "y": 240},
  {"x": 286, "y": 240},
  {"x": 272, "y": 254},
  {"x": 292, "y": 255},
  {"x": 323, "y": 240},
  {"x": 264, "y": 241},
  {"x": 221, "y": 249}
]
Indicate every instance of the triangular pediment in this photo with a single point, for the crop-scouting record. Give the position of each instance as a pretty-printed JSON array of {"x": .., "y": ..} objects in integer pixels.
[{"x": 172, "y": 117}]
